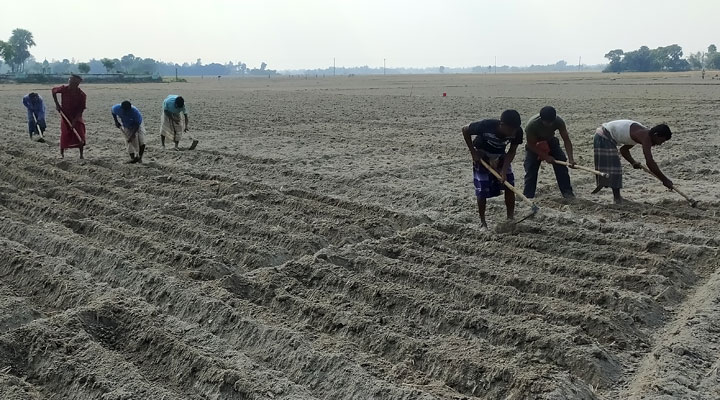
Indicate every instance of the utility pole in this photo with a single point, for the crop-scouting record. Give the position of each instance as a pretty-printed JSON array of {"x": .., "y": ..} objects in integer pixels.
[
  {"x": 383, "y": 66},
  {"x": 496, "y": 64},
  {"x": 580, "y": 64},
  {"x": 333, "y": 66}
]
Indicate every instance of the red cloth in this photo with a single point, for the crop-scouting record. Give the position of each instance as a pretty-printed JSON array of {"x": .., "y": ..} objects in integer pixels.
[
  {"x": 73, "y": 105},
  {"x": 543, "y": 149}
]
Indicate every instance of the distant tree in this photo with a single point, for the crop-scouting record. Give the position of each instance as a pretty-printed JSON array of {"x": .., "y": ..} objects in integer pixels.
[
  {"x": 108, "y": 64},
  {"x": 84, "y": 68},
  {"x": 8, "y": 54},
  {"x": 62, "y": 67},
  {"x": 45, "y": 67},
  {"x": 126, "y": 62},
  {"x": 20, "y": 41},
  {"x": 669, "y": 58},
  {"x": 263, "y": 65},
  {"x": 713, "y": 60},
  {"x": 641, "y": 60},
  {"x": 442, "y": 69},
  {"x": 697, "y": 60},
  {"x": 713, "y": 57},
  {"x": 616, "y": 58}
]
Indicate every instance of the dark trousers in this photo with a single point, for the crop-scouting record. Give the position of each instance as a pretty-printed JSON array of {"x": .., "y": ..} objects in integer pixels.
[{"x": 532, "y": 166}]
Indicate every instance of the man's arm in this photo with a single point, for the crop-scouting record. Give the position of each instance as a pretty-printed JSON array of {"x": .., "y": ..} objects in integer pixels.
[
  {"x": 625, "y": 152},
  {"x": 468, "y": 141},
  {"x": 54, "y": 95},
  {"x": 186, "y": 122},
  {"x": 117, "y": 123},
  {"x": 651, "y": 164},
  {"x": 568, "y": 145},
  {"x": 509, "y": 157}
]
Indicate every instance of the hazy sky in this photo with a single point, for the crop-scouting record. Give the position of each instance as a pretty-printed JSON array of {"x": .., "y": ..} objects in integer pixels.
[{"x": 291, "y": 34}]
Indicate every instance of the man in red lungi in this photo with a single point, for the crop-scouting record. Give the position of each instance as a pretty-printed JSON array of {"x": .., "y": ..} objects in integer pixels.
[{"x": 73, "y": 105}]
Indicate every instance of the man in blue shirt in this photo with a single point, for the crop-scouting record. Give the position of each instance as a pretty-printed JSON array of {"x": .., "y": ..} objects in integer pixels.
[
  {"x": 131, "y": 123},
  {"x": 173, "y": 126},
  {"x": 35, "y": 115},
  {"x": 491, "y": 138}
]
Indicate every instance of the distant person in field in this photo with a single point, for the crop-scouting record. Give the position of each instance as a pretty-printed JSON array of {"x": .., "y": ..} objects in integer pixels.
[
  {"x": 73, "y": 105},
  {"x": 628, "y": 134},
  {"x": 491, "y": 139},
  {"x": 35, "y": 115},
  {"x": 543, "y": 145},
  {"x": 173, "y": 123},
  {"x": 131, "y": 123}
]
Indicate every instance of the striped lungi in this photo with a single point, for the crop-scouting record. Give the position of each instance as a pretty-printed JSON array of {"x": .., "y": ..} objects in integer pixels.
[
  {"x": 607, "y": 159},
  {"x": 486, "y": 184}
]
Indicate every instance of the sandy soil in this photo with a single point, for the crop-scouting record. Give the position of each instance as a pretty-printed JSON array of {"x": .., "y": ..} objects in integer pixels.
[{"x": 322, "y": 242}]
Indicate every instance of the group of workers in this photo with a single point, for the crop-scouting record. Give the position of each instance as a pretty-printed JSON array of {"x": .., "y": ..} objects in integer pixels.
[
  {"x": 127, "y": 118},
  {"x": 491, "y": 155},
  {"x": 489, "y": 149}
]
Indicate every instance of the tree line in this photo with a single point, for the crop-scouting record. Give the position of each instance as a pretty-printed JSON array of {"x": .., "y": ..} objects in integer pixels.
[
  {"x": 665, "y": 58},
  {"x": 16, "y": 55},
  {"x": 130, "y": 64}
]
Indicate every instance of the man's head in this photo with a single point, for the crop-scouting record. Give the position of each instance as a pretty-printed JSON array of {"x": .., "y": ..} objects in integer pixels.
[
  {"x": 179, "y": 102},
  {"x": 33, "y": 96},
  {"x": 509, "y": 122},
  {"x": 660, "y": 134},
  {"x": 548, "y": 115},
  {"x": 126, "y": 106},
  {"x": 74, "y": 80}
]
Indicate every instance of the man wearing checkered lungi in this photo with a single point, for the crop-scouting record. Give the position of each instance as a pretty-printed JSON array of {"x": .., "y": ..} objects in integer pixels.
[
  {"x": 491, "y": 139},
  {"x": 627, "y": 133}
]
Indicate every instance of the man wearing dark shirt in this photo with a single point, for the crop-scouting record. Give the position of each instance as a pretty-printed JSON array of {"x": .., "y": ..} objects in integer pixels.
[
  {"x": 543, "y": 145},
  {"x": 491, "y": 139}
]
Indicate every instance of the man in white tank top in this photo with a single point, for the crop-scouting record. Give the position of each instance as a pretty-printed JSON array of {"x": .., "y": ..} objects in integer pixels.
[{"x": 627, "y": 133}]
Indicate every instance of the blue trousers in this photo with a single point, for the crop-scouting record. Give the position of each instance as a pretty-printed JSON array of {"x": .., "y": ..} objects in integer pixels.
[{"x": 532, "y": 167}]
